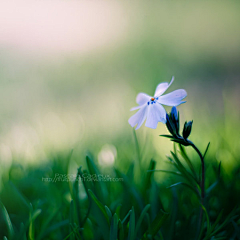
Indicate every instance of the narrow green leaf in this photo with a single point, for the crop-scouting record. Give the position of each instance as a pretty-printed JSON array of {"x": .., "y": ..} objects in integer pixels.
[
  {"x": 183, "y": 170},
  {"x": 206, "y": 150},
  {"x": 76, "y": 197},
  {"x": 215, "y": 224},
  {"x": 166, "y": 136},
  {"x": 68, "y": 162},
  {"x": 46, "y": 224},
  {"x": 99, "y": 186},
  {"x": 209, "y": 189},
  {"x": 55, "y": 227},
  {"x": 87, "y": 186},
  {"x": 186, "y": 185},
  {"x": 36, "y": 213},
  {"x": 147, "y": 181},
  {"x": 128, "y": 214},
  {"x": 148, "y": 220},
  {"x": 171, "y": 228},
  {"x": 71, "y": 220},
  {"x": 120, "y": 230},
  {"x": 69, "y": 235},
  {"x": 237, "y": 230},
  {"x": 7, "y": 220},
  {"x": 207, "y": 217},
  {"x": 100, "y": 206},
  {"x": 33, "y": 216},
  {"x": 187, "y": 160},
  {"x": 19, "y": 197},
  {"x": 131, "y": 230},
  {"x": 175, "y": 148},
  {"x": 201, "y": 228},
  {"x": 130, "y": 188},
  {"x": 143, "y": 213},
  {"x": 157, "y": 223},
  {"x": 76, "y": 229},
  {"x": 166, "y": 171},
  {"x": 118, "y": 209},
  {"x": 114, "y": 228},
  {"x": 22, "y": 233},
  {"x": 219, "y": 238},
  {"x": 226, "y": 221},
  {"x": 29, "y": 225},
  {"x": 109, "y": 213}
]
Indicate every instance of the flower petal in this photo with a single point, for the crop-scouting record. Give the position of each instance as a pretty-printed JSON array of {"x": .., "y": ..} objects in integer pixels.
[
  {"x": 135, "y": 108},
  {"x": 139, "y": 117},
  {"x": 162, "y": 87},
  {"x": 161, "y": 113},
  {"x": 152, "y": 120},
  {"x": 142, "y": 98},
  {"x": 156, "y": 113},
  {"x": 174, "y": 98}
]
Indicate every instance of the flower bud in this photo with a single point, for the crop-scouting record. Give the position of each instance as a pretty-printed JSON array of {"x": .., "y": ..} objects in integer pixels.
[
  {"x": 170, "y": 126},
  {"x": 174, "y": 113},
  {"x": 172, "y": 122},
  {"x": 175, "y": 119},
  {"x": 187, "y": 129}
]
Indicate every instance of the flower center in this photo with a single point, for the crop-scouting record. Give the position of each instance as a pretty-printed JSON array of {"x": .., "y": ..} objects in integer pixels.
[{"x": 152, "y": 100}]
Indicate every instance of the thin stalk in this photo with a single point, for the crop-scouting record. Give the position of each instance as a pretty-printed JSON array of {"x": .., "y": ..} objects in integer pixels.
[{"x": 202, "y": 186}]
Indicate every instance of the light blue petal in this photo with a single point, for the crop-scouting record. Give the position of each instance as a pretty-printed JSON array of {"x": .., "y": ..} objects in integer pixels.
[
  {"x": 152, "y": 119},
  {"x": 156, "y": 113},
  {"x": 139, "y": 117},
  {"x": 161, "y": 113},
  {"x": 135, "y": 108},
  {"x": 174, "y": 98},
  {"x": 162, "y": 87},
  {"x": 142, "y": 98}
]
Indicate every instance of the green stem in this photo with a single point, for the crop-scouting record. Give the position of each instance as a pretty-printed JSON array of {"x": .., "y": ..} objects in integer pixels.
[{"x": 202, "y": 182}]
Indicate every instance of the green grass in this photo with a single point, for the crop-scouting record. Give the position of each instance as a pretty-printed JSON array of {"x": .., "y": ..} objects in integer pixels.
[{"x": 143, "y": 208}]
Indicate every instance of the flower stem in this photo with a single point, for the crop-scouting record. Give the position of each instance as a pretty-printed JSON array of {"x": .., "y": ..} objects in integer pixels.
[{"x": 202, "y": 186}]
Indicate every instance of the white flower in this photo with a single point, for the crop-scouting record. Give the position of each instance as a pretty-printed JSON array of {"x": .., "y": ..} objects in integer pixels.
[{"x": 151, "y": 108}]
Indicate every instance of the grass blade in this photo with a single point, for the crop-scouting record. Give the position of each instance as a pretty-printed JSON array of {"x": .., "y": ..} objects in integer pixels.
[
  {"x": 7, "y": 221},
  {"x": 187, "y": 160},
  {"x": 143, "y": 213},
  {"x": 166, "y": 171},
  {"x": 100, "y": 206},
  {"x": 71, "y": 220},
  {"x": 55, "y": 227},
  {"x": 206, "y": 150},
  {"x": 114, "y": 228},
  {"x": 109, "y": 213},
  {"x": 33, "y": 216},
  {"x": 183, "y": 170},
  {"x": 131, "y": 230},
  {"x": 46, "y": 223},
  {"x": 120, "y": 230},
  {"x": 130, "y": 188},
  {"x": 128, "y": 214},
  {"x": 186, "y": 185},
  {"x": 157, "y": 223},
  {"x": 147, "y": 181},
  {"x": 99, "y": 186}
]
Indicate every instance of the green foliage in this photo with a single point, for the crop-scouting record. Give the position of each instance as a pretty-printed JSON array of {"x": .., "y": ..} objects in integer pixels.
[{"x": 129, "y": 208}]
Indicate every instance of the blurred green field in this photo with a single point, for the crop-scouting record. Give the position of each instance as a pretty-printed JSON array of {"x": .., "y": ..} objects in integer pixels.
[{"x": 71, "y": 97}]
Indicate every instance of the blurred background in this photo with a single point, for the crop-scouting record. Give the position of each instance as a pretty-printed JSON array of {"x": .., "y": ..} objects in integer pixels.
[{"x": 70, "y": 71}]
